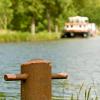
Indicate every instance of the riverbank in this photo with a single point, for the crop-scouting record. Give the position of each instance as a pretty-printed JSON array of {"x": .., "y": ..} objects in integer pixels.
[{"x": 10, "y": 36}]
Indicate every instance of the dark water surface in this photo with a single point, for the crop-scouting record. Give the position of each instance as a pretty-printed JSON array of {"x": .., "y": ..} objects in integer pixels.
[{"x": 79, "y": 57}]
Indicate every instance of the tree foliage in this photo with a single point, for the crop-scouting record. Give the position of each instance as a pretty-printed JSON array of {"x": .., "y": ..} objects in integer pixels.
[
  {"x": 38, "y": 15},
  {"x": 5, "y": 13}
]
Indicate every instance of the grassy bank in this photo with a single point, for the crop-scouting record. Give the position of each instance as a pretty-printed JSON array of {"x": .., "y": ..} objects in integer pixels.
[
  {"x": 27, "y": 37},
  {"x": 2, "y": 96}
]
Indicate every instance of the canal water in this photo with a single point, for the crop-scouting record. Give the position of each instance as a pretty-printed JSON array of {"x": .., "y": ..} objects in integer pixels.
[{"x": 80, "y": 58}]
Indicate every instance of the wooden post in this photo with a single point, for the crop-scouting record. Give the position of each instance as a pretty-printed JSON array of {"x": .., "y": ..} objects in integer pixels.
[
  {"x": 35, "y": 80},
  {"x": 38, "y": 84}
]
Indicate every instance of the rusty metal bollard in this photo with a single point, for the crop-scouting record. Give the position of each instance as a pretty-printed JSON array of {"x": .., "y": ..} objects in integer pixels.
[{"x": 35, "y": 80}]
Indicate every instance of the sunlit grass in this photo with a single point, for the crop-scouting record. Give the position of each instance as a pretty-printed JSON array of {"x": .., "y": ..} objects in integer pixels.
[
  {"x": 26, "y": 36},
  {"x": 82, "y": 92},
  {"x": 2, "y": 96}
]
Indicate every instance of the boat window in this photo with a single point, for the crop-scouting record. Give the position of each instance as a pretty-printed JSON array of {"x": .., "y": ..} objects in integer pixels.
[{"x": 71, "y": 25}]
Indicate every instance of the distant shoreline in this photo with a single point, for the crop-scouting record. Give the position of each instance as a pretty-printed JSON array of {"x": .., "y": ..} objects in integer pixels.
[
  {"x": 27, "y": 37},
  {"x": 16, "y": 36}
]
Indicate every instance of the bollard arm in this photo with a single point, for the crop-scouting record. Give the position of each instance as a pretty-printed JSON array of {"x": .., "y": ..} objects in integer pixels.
[
  {"x": 15, "y": 77},
  {"x": 60, "y": 76}
]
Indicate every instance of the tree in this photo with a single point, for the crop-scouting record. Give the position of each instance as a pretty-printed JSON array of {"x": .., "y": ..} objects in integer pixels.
[
  {"x": 48, "y": 7},
  {"x": 89, "y": 8},
  {"x": 56, "y": 11},
  {"x": 62, "y": 10},
  {"x": 5, "y": 13},
  {"x": 27, "y": 13}
]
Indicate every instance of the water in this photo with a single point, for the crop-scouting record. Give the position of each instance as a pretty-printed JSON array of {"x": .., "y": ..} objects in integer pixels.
[{"x": 80, "y": 58}]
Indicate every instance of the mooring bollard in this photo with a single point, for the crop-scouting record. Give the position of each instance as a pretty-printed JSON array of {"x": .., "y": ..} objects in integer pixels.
[{"x": 35, "y": 80}]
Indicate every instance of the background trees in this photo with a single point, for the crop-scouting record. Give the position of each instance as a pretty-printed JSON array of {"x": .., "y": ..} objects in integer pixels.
[
  {"x": 50, "y": 15},
  {"x": 5, "y": 13}
]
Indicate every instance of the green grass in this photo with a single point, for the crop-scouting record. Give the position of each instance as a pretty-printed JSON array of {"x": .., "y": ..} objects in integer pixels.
[
  {"x": 83, "y": 93},
  {"x": 2, "y": 96},
  {"x": 27, "y": 37}
]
